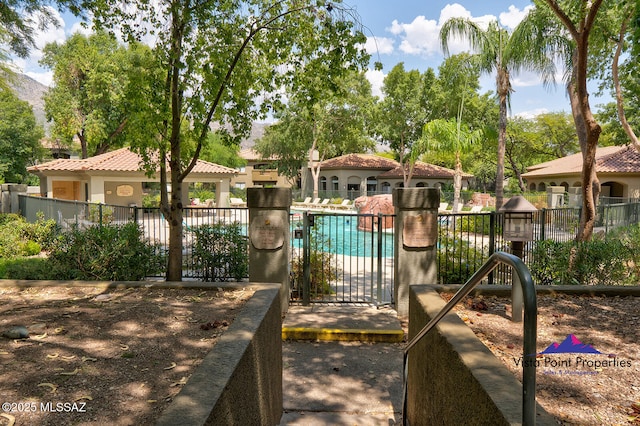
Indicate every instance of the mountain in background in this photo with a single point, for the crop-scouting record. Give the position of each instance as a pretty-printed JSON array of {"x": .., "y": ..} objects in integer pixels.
[{"x": 28, "y": 89}]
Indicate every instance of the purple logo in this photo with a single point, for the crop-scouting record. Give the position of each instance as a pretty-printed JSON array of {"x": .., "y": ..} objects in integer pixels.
[{"x": 570, "y": 345}]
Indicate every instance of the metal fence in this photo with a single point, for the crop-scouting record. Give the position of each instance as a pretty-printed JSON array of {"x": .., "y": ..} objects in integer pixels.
[
  {"x": 352, "y": 255},
  {"x": 342, "y": 258}
]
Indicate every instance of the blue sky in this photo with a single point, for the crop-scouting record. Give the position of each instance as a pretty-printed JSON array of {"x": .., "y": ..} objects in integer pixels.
[{"x": 400, "y": 31}]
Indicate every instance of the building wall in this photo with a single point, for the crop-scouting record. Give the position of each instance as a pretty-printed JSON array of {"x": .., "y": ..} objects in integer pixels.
[
  {"x": 123, "y": 193},
  {"x": 614, "y": 185}
]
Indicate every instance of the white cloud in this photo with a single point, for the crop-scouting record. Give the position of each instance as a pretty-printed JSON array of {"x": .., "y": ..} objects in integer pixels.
[
  {"x": 419, "y": 37},
  {"x": 379, "y": 45},
  {"x": 78, "y": 27},
  {"x": 453, "y": 11},
  {"x": 45, "y": 78},
  {"x": 512, "y": 18},
  {"x": 376, "y": 78},
  {"x": 532, "y": 113}
]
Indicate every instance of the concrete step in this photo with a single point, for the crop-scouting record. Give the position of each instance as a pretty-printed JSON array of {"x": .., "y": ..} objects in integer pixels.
[{"x": 342, "y": 323}]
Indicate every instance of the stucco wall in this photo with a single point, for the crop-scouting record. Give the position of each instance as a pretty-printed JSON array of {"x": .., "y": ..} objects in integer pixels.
[{"x": 453, "y": 379}]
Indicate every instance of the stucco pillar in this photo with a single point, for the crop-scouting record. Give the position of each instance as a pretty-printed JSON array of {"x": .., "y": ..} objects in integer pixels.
[
  {"x": 96, "y": 189},
  {"x": 9, "y": 202},
  {"x": 269, "y": 238},
  {"x": 415, "y": 238},
  {"x": 222, "y": 193}
]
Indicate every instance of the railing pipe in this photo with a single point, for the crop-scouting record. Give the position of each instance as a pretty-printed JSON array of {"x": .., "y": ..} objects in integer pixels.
[{"x": 530, "y": 330}]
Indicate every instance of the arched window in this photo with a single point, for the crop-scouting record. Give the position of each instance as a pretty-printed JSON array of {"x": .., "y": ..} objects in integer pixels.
[
  {"x": 323, "y": 183},
  {"x": 335, "y": 183},
  {"x": 372, "y": 184}
]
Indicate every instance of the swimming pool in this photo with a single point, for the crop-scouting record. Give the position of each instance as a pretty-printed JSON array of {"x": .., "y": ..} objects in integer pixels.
[{"x": 339, "y": 234}]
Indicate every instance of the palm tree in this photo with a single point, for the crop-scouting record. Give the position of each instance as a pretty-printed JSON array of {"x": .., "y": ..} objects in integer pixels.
[
  {"x": 497, "y": 53},
  {"x": 450, "y": 135}
]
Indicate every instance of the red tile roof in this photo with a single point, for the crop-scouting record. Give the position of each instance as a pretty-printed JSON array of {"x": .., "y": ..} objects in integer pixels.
[
  {"x": 120, "y": 160},
  {"x": 424, "y": 170},
  {"x": 360, "y": 161},
  {"x": 610, "y": 159}
]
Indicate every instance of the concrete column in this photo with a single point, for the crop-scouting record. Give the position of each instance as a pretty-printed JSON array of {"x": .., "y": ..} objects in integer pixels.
[
  {"x": 222, "y": 193},
  {"x": 269, "y": 238},
  {"x": 415, "y": 238},
  {"x": 555, "y": 197},
  {"x": 96, "y": 189},
  {"x": 9, "y": 202}
]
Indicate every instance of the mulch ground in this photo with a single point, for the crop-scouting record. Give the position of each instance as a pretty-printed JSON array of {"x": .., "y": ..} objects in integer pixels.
[
  {"x": 576, "y": 388},
  {"x": 104, "y": 357}
]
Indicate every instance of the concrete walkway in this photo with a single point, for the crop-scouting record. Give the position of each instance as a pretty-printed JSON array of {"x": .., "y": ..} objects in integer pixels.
[{"x": 338, "y": 376}]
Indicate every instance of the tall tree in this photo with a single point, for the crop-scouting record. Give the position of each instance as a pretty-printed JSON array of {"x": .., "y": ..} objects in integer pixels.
[
  {"x": 401, "y": 114},
  {"x": 494, "y": 49},
  {"x": 20, "y": 18},
  {"x": 223, "y": 62},
  {"x": 614, "y": 50},
  {"x": 311, "y": 130},
  {"x": 450, "y": 135},
  {"x": 19, "y": 138},
  {"x": 90, "y": 96},
  {"x": 578, "y": 18}
]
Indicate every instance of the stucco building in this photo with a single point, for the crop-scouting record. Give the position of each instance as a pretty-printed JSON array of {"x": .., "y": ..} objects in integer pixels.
[
  {"x": 617, "y": 167},
  {"x": 117, "y": 178}
]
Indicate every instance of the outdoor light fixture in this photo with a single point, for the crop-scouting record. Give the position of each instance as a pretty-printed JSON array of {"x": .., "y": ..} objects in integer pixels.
[
  {"x": 518, "y": 228},
  {"x": 518, "y": 219}
]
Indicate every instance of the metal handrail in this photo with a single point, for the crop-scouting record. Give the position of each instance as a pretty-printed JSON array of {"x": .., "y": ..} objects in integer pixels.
[{"x": 530, "y": 330}]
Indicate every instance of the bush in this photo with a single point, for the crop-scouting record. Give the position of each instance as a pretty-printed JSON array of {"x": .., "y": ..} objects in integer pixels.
[
  {"x": 323, "y": 268},
  {"x": 21, "y": 238},
  {"x": 108, "y": 252},
  {"x": 32, "y": 268},
  {"x": 99, "y": 213},
  {"x": 457, "y": 260},
  {"x": 220, "y": 252},
  {"x": 611, "y": 261}
]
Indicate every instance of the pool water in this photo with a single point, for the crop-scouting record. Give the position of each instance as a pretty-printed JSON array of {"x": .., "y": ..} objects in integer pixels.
[{"x": 339, "y": 234}]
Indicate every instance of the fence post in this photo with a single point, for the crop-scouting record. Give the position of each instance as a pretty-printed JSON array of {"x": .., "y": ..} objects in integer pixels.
[
  {"x": 269, "y": 237},
  {"x": 415, "y": 238},
  {"x": 306, "y": 256}
]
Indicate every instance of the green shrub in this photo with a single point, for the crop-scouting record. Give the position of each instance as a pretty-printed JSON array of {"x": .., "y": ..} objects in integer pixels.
[
  {"x": 477, "y": 224},
  {"x": 31, "y": 268},
  {"x": 108, "y": 252},
  {"x": 21, "y": 238},
  {"x": 323, "y": 268},
  {"x": 220, "y": 252},
  {"x": 611, "y": 261},
  {"x": 457, "y": 259},
  {"x": 99, "y": 213}
]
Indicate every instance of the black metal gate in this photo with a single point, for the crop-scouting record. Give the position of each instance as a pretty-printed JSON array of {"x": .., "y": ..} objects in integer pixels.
[{"x": 342, "y": 258}]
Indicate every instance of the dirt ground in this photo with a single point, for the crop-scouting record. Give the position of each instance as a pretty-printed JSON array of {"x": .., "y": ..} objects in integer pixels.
[
  {"x": 576, "y": 388},
  {"x": 104, "y": 357}
]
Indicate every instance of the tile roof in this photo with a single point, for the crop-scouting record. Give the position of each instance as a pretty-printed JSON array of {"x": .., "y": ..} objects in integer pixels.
[
  {"x": 360, "y": 161},
  {"x": 610, "y": 159},
  {"x": 251, "y": 155},
  {"x": 423, "y": 170},
  {"x": 120, "y": 160}
]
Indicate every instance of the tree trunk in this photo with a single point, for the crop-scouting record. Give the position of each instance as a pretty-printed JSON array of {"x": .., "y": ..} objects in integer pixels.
[
  {"x": 618, "y": 90},
  {"x": 174, "y": 218},
  {"x": 588, "y": 134},
  {"x": 457, "y": 184},
  {"x": 504, "y": 86}
]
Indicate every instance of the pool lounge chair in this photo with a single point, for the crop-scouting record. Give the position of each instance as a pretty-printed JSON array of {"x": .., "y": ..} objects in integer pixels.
[
  {"x": 345, "y": 205},
  {"x": 306, "y": 202},
  {"x": 323, "y": 204},
  {"x": 237, "y": 202}
]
